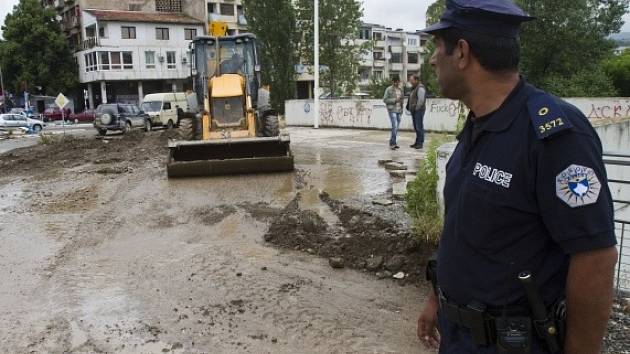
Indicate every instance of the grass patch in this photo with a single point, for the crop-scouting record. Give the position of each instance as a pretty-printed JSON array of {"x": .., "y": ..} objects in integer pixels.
[
  {"x": 422, "y": 197},
  {"x": 53, "y": 139}
]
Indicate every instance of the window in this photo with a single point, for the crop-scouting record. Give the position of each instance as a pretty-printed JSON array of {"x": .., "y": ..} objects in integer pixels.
[
  {"x": 103, "y": 60},
  {"x": 115, "y": 60},
  {"x": 239, "y": 10},
  {"x": 190, "y": 33},
  {"x": 378, "y": 75},
  {"x": 90, "y": 62},
  {"x": 212, "y": 8},
  {"x": 377, "y": 36},
  {"x": 412, "y": 58},
  {"x": 128, "y": 32},
  {"x": 231, "y": 32},
  {"x": 364, "y": 33},
  {"x": 127, "y": 60},
  {"x": 90, "y": 31},
  {"x": 412, "y": 41},
  {"x": 161, "y": 33},
  {"x": 168, "y": 5},
  {"x": 167, "y": 105},
  {"x": 396, "y": 58},
  {"x": 227, "y": 9},
  {"x": 149, "y": 59},
  {"x": 378, "y": 55},
  {"x": 171, "y": 61},
  {"x": 102, "y": 31}
]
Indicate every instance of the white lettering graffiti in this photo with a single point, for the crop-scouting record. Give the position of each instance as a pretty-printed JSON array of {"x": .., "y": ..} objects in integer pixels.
[{"x": 493, "y": 175}]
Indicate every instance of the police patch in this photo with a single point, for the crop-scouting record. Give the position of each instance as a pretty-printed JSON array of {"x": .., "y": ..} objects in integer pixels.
[{"x": 578, "y": 186}]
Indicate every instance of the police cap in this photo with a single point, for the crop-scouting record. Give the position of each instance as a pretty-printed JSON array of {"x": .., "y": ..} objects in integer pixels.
[{"x": 501, "y": 18}]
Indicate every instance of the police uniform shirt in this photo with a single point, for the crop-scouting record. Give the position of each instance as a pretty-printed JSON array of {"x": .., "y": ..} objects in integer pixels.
[{"x": 527, "y": 193}]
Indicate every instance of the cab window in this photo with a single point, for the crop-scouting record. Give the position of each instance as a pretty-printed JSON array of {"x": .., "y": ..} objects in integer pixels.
[{"x": 167, "y": 105}]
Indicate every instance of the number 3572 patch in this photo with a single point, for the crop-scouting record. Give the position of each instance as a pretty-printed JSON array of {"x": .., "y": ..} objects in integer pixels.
[{"x": 578, "y": 186}]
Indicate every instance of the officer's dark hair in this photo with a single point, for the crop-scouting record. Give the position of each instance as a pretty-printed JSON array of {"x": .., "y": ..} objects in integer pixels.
[
  {"x": 395, "y": 79},
  {"x": 415, "y": 77},
  {"x": 493, "y": 52}
]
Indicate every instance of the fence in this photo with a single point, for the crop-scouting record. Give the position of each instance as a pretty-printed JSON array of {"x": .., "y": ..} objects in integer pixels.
[{"x": 618, "y": 167}]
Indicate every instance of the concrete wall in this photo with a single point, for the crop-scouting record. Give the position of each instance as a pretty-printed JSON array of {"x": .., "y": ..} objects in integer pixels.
[
  {"x": 441, "y": 114},
  {"x": 370, "y": 114}
]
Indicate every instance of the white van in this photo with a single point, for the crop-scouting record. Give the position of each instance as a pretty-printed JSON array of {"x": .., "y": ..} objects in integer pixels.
[{"x": 162, "y": 107}]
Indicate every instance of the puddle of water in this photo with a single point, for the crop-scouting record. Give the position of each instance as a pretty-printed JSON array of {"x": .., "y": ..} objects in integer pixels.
[{"x": 310, "y": 201}]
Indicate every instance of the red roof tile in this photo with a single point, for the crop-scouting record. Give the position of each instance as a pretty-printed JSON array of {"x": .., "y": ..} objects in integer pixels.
[{"x": 138, "y": 16}]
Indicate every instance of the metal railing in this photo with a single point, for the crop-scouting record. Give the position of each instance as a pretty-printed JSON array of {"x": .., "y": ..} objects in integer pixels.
[{"x": 621, "y": 162}]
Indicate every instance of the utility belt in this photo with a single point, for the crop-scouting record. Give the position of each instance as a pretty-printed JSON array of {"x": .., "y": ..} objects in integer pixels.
[{"x": 511, "y": 329}]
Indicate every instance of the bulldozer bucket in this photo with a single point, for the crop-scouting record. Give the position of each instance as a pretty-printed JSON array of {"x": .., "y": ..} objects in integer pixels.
[{"x": 229, "y": 156}]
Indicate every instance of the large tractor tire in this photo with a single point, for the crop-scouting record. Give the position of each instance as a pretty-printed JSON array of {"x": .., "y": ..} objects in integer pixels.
[
  {"x": 187, "y": 129},
  {"x": 271, "y": 125}
]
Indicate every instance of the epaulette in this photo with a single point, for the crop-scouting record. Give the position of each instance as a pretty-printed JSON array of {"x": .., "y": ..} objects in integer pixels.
[{"x": 547, "y": 117}]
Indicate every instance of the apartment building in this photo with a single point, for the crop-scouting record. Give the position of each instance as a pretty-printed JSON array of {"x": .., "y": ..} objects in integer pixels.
[
  {"x": 125, "y": 49},
  {"x": 392, "y": 53}
]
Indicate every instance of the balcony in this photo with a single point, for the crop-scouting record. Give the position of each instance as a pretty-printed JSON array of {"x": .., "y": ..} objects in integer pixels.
[
  {"x": 70, "y": 24},
  {"x": 379, "y": 44},
  {"x": 396, "y": 49},
  {"x": 221, "y": 18},
  {"x": 396, "y": 66},
  {"x": 414, "y": 67},
  {"x": 379, "y": 63},
  {"x": 87, "y": 44}
]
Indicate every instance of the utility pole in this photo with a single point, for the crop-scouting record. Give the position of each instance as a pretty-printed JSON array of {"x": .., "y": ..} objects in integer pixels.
[
  {"x": 4, "y": 95},
  {"x": 316, "y": 64}
]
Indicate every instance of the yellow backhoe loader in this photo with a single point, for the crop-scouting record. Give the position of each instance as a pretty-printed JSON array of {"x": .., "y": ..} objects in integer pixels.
[{"x": 234, "y": 129}]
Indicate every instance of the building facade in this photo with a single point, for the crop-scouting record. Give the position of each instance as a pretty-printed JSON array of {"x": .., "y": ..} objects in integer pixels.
[
  {"x": 125, "y": 49},
  {"x": 392, "y": 53}
]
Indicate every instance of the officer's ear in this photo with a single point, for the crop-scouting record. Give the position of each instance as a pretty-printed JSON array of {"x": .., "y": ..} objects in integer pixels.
[{"x": 463, "y": 54}]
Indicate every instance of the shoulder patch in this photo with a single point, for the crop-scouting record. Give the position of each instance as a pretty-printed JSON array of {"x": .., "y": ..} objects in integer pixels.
[
  {"x": 578, "y": 186},
  {"x": 547, "y": 117}
]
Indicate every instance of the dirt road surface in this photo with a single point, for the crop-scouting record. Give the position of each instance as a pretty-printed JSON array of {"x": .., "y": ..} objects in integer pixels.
[{"x": 101, "y": 253}]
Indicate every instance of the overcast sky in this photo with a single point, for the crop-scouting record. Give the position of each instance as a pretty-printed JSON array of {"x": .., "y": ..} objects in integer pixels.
[{"x": 406, "y": 14}]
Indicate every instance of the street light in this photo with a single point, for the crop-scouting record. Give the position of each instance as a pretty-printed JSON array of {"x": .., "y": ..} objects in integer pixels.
[{"x": 316, "y": 64}]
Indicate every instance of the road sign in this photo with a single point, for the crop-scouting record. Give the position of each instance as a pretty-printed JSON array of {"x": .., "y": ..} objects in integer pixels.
[{"x": 61, "y": 101}]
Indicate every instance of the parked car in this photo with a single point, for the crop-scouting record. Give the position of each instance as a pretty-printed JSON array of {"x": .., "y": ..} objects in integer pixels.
[
  {"x": 164, "y": 107},
  {"x": 10, "y": 120},
  {"x": 118, "y": 116},
  {"x": 27, "y": 113},
  {"x": 54, "y": 113},
  {"x": 86, "y": 116}
]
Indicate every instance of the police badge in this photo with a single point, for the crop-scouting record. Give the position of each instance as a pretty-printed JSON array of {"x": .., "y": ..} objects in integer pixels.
[{"x": 578, "y": 186}]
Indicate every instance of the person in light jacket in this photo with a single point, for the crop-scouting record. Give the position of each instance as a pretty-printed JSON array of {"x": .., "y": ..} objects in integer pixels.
[{"x": 394, "y": 99}]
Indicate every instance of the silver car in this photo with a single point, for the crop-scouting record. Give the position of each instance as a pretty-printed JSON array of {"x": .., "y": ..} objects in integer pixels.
[{"x": 10, "y": 121}]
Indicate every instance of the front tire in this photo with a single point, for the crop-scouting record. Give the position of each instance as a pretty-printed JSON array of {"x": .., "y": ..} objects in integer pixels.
[
  {"x": 37, "y": 128},
  {"x": 186, "y": 129},
  {"x": 147, "y": 126},
  {"x": 127, "y": 129},
  {"x": 271, "y": 126},
  {"x": 169, "y": 125}
]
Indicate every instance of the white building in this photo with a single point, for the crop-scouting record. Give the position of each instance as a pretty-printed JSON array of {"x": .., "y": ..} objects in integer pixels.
[
  {"x": 390, "y": 53},
  {"x": 127, "y": 48},
  {"x": 128, "y": 54},
  {"x": 393, "y": 53}
]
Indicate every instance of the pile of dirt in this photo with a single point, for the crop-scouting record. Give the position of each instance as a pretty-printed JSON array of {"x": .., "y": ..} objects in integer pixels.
[
  {"x": 362, "y": 240},
  {"x": 68, "y": 152}
]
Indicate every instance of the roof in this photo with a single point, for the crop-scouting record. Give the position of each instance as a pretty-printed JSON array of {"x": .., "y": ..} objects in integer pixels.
[{"x": 138, "y": 16}]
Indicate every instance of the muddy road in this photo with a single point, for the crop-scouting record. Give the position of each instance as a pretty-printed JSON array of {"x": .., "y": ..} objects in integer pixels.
[{"x": 101, "y": 253}]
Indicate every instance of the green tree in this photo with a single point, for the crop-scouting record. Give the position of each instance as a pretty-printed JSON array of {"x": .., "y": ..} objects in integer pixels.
[
  {"x": 35, "y": 51},
  {"x": 427, "y": 74},
  {"x": 618, "y": 68},
  {"x": 568, "y": 40},
  {"x": 274, "y": 23},
  {"x": 340, "y": 21}
]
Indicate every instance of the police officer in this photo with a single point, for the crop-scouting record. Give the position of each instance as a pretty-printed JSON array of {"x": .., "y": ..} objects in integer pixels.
[{"x": 526, "y": 190}]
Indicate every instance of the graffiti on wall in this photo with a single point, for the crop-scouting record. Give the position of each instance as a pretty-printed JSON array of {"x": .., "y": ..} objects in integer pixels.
[
  {"x": 451, "y": 108},
  {"x": 598, "y": 111},
  {"x": 352, "y": 113}
]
